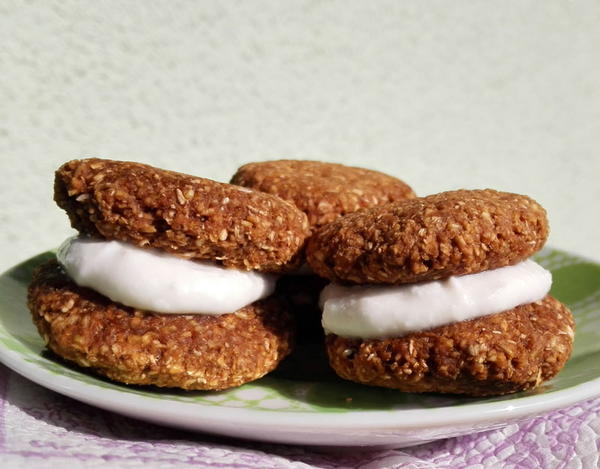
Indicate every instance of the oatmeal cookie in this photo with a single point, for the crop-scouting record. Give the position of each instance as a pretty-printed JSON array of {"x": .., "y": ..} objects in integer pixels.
[
  {"x": 427, "y": 238},
  {"x": 168, "y": 350},
  {"x": 498, "y": 354},
  {"x": 184, "y": 215},
  {"x": 324, "y": 191}
]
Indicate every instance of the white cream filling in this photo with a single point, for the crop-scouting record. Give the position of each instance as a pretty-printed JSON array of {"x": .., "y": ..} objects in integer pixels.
[
  {"x": 373, "y": 311},
  {"x": 156, "y": 281}
]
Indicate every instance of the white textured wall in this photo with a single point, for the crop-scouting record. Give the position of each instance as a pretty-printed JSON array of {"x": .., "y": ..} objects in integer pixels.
[{"x": 443, "y": 94}]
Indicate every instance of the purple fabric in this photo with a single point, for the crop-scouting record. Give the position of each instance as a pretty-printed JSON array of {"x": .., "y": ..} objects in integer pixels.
[{"x": 39, "y": 428}]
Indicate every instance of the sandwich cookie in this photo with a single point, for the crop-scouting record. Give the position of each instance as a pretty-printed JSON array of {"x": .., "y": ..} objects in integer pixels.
[
  {"x": 170, "y": 282},
  {"x": 437, "y": 294}
]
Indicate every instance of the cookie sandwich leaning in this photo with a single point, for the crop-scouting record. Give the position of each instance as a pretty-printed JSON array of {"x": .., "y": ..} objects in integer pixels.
[
  {"x": 438, "y": 294},
  {"x": 170, "y": 280}
]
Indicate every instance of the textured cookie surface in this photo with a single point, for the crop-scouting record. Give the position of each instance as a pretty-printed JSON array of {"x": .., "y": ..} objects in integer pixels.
[
  {"x": 451, "y": 233},
  {"x": 324, "y": 191},
  {"x": 493, "y": 355},
  {"x": 134, "y": 347},
  {"x": 192, "y": 217}
]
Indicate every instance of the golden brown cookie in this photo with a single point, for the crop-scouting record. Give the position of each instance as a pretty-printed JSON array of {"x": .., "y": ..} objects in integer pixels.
[
  {"x": 136, "y": 347},
  {"x": 452, "y": 233},
  {"x": 503, "y": 353},
  {"x": 185, "y": 215},
  {"x": 324, "y": 191}
]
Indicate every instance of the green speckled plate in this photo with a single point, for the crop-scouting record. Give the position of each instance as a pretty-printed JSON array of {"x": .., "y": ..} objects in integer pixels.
[{"x": 304, "y": 403}]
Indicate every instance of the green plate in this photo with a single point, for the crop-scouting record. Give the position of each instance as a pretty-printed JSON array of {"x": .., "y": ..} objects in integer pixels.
[{"x": 305, "y": 402}]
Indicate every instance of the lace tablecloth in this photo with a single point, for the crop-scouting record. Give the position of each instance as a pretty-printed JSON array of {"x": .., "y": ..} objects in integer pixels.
[{"x": 39, "y": 428}]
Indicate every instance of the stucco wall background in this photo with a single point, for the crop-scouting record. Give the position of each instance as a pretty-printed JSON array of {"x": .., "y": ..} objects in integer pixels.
[{"x": 442, "y": 94}]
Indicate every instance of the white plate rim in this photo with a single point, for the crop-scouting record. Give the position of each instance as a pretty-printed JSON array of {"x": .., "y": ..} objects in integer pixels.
[{"x": 369, "y": 419}]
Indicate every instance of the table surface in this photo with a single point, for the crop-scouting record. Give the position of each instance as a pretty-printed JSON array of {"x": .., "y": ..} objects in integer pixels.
[{"x": 455, "y": 96}]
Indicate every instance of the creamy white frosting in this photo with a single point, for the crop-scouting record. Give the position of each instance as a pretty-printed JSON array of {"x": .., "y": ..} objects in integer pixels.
[
  {"x": 156, "y": 281},
  {"x": 375, "y": 311}
]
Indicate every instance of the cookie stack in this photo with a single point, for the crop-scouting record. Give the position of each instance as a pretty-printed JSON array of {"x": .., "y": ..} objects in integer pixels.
[
  {"x": 436, "y": 294},
  {"x": 150, "y": 239}
]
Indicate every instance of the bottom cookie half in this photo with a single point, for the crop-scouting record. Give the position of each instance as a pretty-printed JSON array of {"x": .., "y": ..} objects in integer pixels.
[
  {"x": 168, "y": 350},
  {"x": 498, "y": 354}
]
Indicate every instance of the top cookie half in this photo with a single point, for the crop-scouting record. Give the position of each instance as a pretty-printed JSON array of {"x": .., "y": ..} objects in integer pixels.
[
  {"x": 324, "y": 191},
  {"x": 185, "y": 215},
  {"x": 452, "y": 233}
]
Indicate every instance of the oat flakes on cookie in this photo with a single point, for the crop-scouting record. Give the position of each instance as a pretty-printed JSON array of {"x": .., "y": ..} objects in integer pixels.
[
  {"x": 451, "y": 233},
  {"x": 324, "y": 191},
  {"x": 437, "y": 294}
]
